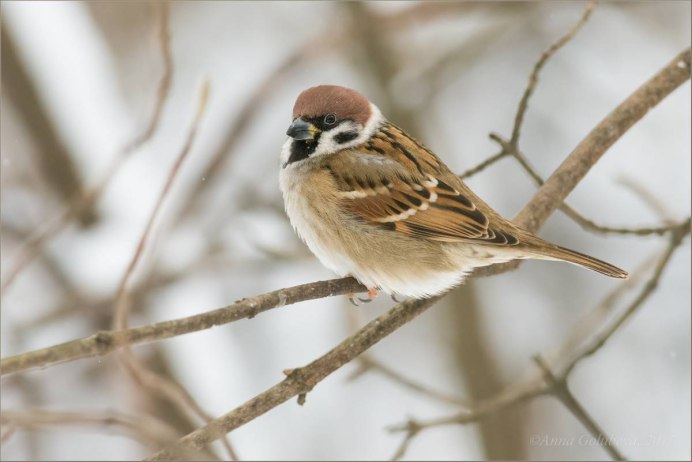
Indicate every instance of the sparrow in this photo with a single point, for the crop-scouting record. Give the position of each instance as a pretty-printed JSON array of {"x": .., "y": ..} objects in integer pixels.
[{"x": 372, "y": 202}]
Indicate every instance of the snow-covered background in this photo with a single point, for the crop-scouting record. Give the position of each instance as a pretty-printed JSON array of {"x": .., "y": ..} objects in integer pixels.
[{"x": 451, "y": 78}]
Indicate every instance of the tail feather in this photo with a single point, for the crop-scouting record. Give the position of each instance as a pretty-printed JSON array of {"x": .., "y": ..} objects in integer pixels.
[{"x": 560, "y": 253}]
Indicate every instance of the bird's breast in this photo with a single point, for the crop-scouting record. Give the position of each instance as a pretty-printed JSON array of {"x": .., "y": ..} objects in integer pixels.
[{"x": 312, "y": 207}]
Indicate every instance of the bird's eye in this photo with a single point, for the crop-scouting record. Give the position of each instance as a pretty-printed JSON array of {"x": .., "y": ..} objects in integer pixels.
[{"x": 330, "y": 119}]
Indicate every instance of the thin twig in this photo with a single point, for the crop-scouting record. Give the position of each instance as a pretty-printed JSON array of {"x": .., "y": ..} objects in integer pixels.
[
  {"x": 483, "y": 165},
  {"x": 369, "y": 364},
  {"x": 654, "y": 203},
  {"x": 412, "y": 428},
  {"x": 604, "y": 135},
  {"x": 533, "y": 78},
  {"x": 143, "y": 428}
]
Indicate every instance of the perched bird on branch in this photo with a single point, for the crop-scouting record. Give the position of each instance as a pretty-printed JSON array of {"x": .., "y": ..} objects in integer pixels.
[{"x": 373, "y": 203}]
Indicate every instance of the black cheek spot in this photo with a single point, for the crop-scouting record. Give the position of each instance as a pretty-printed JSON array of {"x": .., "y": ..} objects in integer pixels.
[{"x": 345, "y": 137}]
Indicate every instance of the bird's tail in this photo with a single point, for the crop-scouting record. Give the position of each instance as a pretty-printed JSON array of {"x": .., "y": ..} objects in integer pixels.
[{"x": 555, "y": 252}]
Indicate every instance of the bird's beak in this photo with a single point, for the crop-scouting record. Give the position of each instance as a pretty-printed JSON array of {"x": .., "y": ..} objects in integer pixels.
[{"x": 302, "y": 130}]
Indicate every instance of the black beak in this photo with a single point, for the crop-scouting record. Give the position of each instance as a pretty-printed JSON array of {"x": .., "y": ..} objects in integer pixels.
[{"x": 302, "y": 130}]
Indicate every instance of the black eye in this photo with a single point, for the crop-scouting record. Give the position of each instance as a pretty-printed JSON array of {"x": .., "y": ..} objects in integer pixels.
[{"x": 330, "y": 119}]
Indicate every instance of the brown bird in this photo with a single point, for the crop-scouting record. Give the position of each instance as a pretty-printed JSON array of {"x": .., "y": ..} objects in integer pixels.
[{"x": 372, "y": 202}]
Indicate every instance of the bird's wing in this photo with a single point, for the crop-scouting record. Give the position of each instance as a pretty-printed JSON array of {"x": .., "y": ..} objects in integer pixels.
[{"x": 382, "y": 190}]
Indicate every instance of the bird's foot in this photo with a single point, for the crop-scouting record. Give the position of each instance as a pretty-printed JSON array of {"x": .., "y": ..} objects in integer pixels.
[{"x": 372, "y": 294}]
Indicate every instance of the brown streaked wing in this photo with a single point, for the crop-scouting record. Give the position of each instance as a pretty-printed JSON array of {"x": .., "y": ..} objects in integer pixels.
[{"x": 424, "y": 208}]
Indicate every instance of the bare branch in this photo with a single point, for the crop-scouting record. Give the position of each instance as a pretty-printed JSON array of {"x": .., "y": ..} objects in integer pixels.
[
  {"x": 677, "y": 235},
  {"x": 412, "y": 428},
  {"x": 369, "y": 364},
  {"x": 483, "y": 165},
  {"x": 533, "y": 78},
  {"x": 104, "y": 342},
  {"x": 149, "y": 431}
]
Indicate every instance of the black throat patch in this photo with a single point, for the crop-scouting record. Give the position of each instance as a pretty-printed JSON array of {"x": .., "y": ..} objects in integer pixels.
[{"x": 301, "y": 150}]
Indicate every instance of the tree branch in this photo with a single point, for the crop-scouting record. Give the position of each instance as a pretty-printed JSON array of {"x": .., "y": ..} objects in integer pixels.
[
  {"x": 533, "y": 78},
  {"x": 148, "y": 431},
  {"x": 104, "y": 342}
]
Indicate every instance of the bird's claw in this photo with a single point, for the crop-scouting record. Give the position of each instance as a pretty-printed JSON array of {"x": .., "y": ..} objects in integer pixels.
[{"x": 372, "y": 294}]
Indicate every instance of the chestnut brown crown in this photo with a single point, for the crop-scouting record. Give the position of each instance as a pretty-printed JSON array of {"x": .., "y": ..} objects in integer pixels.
[{"x": 321, "y": 100}]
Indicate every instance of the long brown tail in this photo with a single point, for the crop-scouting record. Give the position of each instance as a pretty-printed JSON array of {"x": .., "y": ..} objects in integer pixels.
[{"x": 572, "y": 256}]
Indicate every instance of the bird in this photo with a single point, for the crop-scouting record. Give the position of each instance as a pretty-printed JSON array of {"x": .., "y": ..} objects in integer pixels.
[{"x": 372, "y": 202}]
